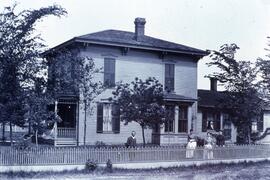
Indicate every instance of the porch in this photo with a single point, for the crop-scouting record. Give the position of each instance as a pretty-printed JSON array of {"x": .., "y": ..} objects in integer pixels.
[
  {"x": 179, "y": 120},
  {"x": 66, "y": 130}
]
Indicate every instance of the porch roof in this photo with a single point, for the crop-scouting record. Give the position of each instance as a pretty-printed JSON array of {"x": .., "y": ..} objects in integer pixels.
[
  {"x": 178, "y": 98},
  {"x": 209, "y": 98}
]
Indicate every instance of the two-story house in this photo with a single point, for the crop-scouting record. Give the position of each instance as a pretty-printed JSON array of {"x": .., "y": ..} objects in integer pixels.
[{"x": 123, "y": 56}]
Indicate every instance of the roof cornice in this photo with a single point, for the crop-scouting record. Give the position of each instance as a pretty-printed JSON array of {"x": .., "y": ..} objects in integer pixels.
[{"x": 81, "y": 40}]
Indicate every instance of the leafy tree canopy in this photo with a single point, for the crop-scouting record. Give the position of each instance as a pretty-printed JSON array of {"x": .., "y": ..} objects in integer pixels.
[
  {"x": 141, "y": 102},
  {"x": 20, "y": 63},
  {"x": 244, "y": 100}
]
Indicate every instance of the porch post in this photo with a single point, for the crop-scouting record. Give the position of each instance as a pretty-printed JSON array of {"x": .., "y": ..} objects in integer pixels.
[
  {"x": 77, "y": 122},
  {"x": 189, "y": 119},
  {"x": 221, "y": 121},
  {"x": 55, "y": 124},
  {"x": 176, "y": 119}
]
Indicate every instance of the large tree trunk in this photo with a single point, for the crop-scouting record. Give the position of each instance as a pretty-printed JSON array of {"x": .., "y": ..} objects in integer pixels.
[
  {"x": 36, "y": 135},
  {"x": 10, "y": 134},
  {"x": 3, "y": 132},
  {"x": 84, "y": 130},
  {"x": 143, "y": 135},
  {"x": 29, "y": 128}
]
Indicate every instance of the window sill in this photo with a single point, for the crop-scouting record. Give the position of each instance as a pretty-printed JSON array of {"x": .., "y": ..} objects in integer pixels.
[
  {"x": 109, "y": 132},
  {"x": 173, "y": 133}
]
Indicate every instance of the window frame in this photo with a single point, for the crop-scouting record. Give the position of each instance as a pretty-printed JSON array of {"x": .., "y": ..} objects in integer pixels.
[
  {"x": 183, "y": 119},
  {"x": 114, "y": 118},
  {"x": 169, "y": 80},
  {"x": 109, "y": 72},
  {"x": 169, "y": 126},
  {"x": 215, "y": 118}
]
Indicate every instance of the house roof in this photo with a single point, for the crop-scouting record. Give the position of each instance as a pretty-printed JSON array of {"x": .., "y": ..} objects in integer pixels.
[
  {"x": 210, "y": 98},
  {"x": 127, "y": 39}
]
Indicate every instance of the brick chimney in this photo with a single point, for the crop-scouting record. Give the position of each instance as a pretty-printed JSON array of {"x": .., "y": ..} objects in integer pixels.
[
  {"x": 139, "y": 28},
  {"x": 213, "y": 84}
]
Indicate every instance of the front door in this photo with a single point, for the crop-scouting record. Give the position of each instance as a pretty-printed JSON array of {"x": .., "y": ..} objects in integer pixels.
[{"x": 67, "y": 113}]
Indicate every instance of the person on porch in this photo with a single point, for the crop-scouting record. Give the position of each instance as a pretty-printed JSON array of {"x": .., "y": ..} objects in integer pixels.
[{"x": 191, "y": 145}]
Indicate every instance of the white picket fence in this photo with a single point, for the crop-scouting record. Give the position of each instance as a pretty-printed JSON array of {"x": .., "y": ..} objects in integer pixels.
[{"x": 79, "y": 155}]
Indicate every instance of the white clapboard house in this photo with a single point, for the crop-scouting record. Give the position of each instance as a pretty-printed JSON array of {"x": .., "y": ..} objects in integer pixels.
[{"x": 123, "y": 56}]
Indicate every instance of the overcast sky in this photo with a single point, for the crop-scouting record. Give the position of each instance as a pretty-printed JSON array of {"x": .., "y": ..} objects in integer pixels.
[{"x": 204, "y": 24}]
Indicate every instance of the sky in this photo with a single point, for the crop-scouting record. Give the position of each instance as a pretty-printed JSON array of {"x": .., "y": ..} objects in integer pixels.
[{"x": 203, "y": 24}]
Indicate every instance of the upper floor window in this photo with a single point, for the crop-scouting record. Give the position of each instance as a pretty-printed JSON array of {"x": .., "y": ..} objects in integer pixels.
[
  {"x": 169, "y": 77},
  {"x": 109, "y": 72},
  {"x": 108, "y": 118},
  {"x": 183, "y": 119}
]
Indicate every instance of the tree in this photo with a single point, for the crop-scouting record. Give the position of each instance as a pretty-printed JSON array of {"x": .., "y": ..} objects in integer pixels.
[
  {"x": 72, "y": 74},
  {"x": 20, "y": 61},
  {"x": 40, "y": 117},
  {"x": 141, "y": 102},
  {"x": 264, "y": 68},
  {"x": 243, "y": 102}
]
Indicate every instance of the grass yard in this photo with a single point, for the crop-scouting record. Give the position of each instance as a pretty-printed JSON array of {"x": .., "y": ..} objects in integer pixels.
[{"x": 252, "y": 171}]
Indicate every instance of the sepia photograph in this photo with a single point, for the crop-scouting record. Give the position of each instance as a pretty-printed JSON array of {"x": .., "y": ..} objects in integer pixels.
[{"x": 134, "y": 89}]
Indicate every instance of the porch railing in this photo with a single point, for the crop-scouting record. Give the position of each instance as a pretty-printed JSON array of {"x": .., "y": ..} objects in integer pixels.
[{"x": 64, "y": 132}]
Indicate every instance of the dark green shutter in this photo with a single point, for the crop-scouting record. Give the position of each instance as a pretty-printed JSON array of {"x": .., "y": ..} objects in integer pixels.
[
  {"x": 99, "y": 118},
  {"x": 115, "y": 118}
]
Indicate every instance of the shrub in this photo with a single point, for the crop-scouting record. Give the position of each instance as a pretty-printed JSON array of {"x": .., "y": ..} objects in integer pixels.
[
  {"x": 90, "y": 165},
  {"x": 109, "y": 166},
  {"x": 24, "y": 143},
  {"x": 100, "y": 144}
]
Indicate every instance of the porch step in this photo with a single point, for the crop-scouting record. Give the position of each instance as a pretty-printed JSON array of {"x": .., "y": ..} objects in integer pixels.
[{"x": 65, "y": 142}]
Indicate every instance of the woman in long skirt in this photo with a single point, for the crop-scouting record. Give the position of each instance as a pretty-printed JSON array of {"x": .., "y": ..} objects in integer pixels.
[
  {"x": 191, "y": 145},
  {"x": 208, "y": 148}
]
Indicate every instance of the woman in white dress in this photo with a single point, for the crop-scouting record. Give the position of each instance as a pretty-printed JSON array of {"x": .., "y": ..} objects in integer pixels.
[
  {"x": 191, "y": 145},
  {"x": 208, "y": 147}
]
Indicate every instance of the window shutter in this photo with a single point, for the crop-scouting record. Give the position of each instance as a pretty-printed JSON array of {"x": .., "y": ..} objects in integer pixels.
[
  {"x": 112, "y": 72},
  {"x": 99, "y": 118},
  {"x": 217, "y": 122},
  {"x": 204, "y": 121},
  {"x": 115, "y": 118},
  {"x": 260, "y": 123},
  {"x": 172, "y": 77}
]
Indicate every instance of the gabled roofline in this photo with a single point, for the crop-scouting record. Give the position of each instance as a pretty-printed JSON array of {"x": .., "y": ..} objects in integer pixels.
[{"x": 82, "y": 40}]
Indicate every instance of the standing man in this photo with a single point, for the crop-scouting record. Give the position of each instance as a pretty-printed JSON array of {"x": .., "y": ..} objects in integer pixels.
[
  {"x": 131, "y": 141},
  {"x": 220, "y": 139}
]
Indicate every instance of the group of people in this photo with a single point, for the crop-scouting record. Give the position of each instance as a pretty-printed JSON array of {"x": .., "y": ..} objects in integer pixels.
[
  {"x": 208, "y": 146},
  {"x": 191, "y": 145}
]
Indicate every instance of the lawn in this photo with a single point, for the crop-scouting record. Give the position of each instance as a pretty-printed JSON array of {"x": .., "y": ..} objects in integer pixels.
[{"x": 252, "y": 171}]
